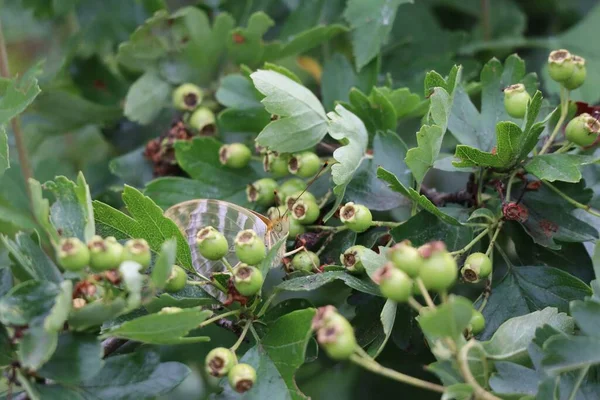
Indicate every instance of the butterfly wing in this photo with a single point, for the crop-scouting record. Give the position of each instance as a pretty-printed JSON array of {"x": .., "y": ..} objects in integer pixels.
[{"x": 227, "y": 218}]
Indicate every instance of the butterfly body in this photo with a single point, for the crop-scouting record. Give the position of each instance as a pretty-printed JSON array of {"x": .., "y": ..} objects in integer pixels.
[{"x": 228, "y": 218}]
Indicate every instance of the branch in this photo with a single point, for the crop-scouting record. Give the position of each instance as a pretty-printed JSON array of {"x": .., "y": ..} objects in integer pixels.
[{"x": 462, "y": 197}]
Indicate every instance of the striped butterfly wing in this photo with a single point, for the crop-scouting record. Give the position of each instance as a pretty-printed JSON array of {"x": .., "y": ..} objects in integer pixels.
[{"x": 227, "y": 218}]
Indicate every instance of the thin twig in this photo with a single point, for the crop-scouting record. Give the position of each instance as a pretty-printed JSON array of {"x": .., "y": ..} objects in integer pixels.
[{"x": 463, "y": 364}]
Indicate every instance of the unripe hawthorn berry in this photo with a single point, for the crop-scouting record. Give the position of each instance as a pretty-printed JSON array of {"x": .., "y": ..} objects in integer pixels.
[
  {"x": 323, "y": 316},
  {"x": 262, "y": 192},
  {"x": 177, "y": 279},
  {"x": 305, "y": 164},
  {"x": 201, "y": 118},
  {"x": 294, "y": 197},
  {"x": 219, "y": 362},
  {"x": 579, "y": 74},
  {"x": 295, "y": 228},
  {"x": 247, "y": 280},
  {"x": 249, "y": 248},
  {"x": 516, "y": 99},
  {"x": 241, "y": 377},
  {"x": 560, "y": 65},
  {"x": 337, "y": 338},
  {"x": 187, "y": 97},
  {"x": 351, "y": 259},
  {"x": 72, "y": 254},
  {"x": 105, "y": 254},
  {"x": 137, "y": 250},
  {"x": 276, "y": 164},
  {"x": 477, "y": 266},
  {"x": 235, "y": 155},
  {"x": 439, "y": 270},
  {"x": 211, "y": 243},
  {"x": 305, "y": 212},
  {"x": 406, "y": 258},
  {"x": 477, "y": 322},
  {"x": 583, "y": 130},
  {"x": 305, "y": 261},
  {"x": 394, "y": 284},
  {"x": 290, "y": 187},
  {"x": 356, "y": 217}
]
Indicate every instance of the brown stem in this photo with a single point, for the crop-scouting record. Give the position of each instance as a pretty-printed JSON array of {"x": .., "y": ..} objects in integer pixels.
[
  {"x": 111, "y": 345},
  {"x": 463, "y": 197},
  {"x": 16, "y": 123},
  {"x": 485, "y": 20}
]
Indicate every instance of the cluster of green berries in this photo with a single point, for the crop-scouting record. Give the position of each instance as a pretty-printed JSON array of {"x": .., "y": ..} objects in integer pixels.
[
  {"x": 431, "y": 263},
  {"x": 221, "y": 361},
  {"x": 101, "y": 254},
  {"x": 249, "y": 249},
  {"x": 305, "y": 164},
  {"x": 477, "y": 267},
  {"x": 334, "y": 333},
  {"x": 188, "y": 97},
  {"x": 567, "y": 69}
]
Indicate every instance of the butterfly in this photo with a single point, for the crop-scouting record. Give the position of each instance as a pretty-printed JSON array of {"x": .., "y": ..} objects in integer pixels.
[{"x": 228, "y": 218}]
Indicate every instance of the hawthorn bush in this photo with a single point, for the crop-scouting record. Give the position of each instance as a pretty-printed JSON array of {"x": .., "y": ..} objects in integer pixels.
[{"x": 291, "y": 199}]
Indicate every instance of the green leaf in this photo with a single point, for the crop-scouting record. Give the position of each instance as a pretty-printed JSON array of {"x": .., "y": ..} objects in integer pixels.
[
  {"x": 267, "y": 263},
  {"x": 27, "y": 301},
  {"x": 426, "y": 227},
  {"x": 587, "y": 316},
  {"x": 375, "y": 110},
  {"x": 77, "y": 357},
  {"x": 168, "y": 328},
  {"x": 484, "y": 213},
  {"x": 18, "y": 94},
  {"x": 4, "y": 160},
  {"x": 527, "y": 289},
  {"x": 163, "y": 264},
  {"x": 146, "y": 222},
  {"x": 568, "y": 353},
  {"x": 146, "y": 97},
  {"x": 55, "y": 321},
  {"x": 311, "y": 282},
  {"x": 448, "y": 320},
  {"x": 37, "y": 346},
  {"x": 412, "y": 194},
  {"x": 302, "y": 123},
  {"x": 514, "y": 378},
  {"x": 245, "y": 44},
  {"x": 190, "y": 296},
  {"x": 237, "y": 91},
  {"x": 429, "y": 138},
  {"x": 372, "y": 261},
  {"x": 41, "y": 210},
  {"x": 248, "y": 120},
  {"x": 405, "y": 103},
  {"x": 302, "y": 42},
  {"x": 96, "y": 313},
  {"x": 387, "y": 318},
  {"x": 458, "y": 391},
  {"x": 72, "y": 212},
  {"x": 30, "y": 261},
  {"x": 371, "y": 25},
  {"x": 512, "y": 338},
  {"x": 558, "y": 167}
]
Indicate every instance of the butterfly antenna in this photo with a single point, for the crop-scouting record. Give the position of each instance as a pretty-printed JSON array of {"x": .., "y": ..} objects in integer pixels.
[{"x": 308, "y": 185}]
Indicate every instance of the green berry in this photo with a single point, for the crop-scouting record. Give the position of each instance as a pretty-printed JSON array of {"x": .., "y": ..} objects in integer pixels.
[
  {"x": 242, "y": 377},
  {"x": 249, "y": 248},
  {"x": 295, "y": 228},
  {"x": 477, "y": 322},
  {"x": 275, "y": 213},
  {"x": 305, "y": 164},
  {"x": 560, "y": 65},
  {"x": 305, "y": 261},
  {"x": 219, "y": 362},
  {"x": 72, "y": 254},
  {"x": 105, "y": 254},
  {"x": 262, "y": 192},
  {"x": 579, "y": 74},
  {"x": 137, "y": 250},
  {"x": 323, "y": 316},
  {"x": 305, "y": 212},
  {"x": 290, "y": 187},
  {"x": 356, "y": 217},
  {"x": 177, "y": 279},
  {"x": 351, "y": 259},
  {"x": 516, "y": 99},
  {"x": 406, "y": 258},
  {"x": 235, "y": 155},
  {"x": 439, "y": 270},
  {"x": 294, "y": 197},
  {"x": 187, "y": 97},
  {"x": 247, "y": 280},
  {"x": 394, "y": 284},
  {"x": 477, "y": 266},
  {"x": 211, "y": 243},
  {"x": 337, "y": 338},
  {"x": 276, "y": 164},
  {"x": 583, "y": 130},
  {"x": 201, "y": 118}
]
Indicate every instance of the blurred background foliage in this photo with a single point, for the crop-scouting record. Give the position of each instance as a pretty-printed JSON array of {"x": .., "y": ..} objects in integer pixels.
[{"x": 78, "y": 122}]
